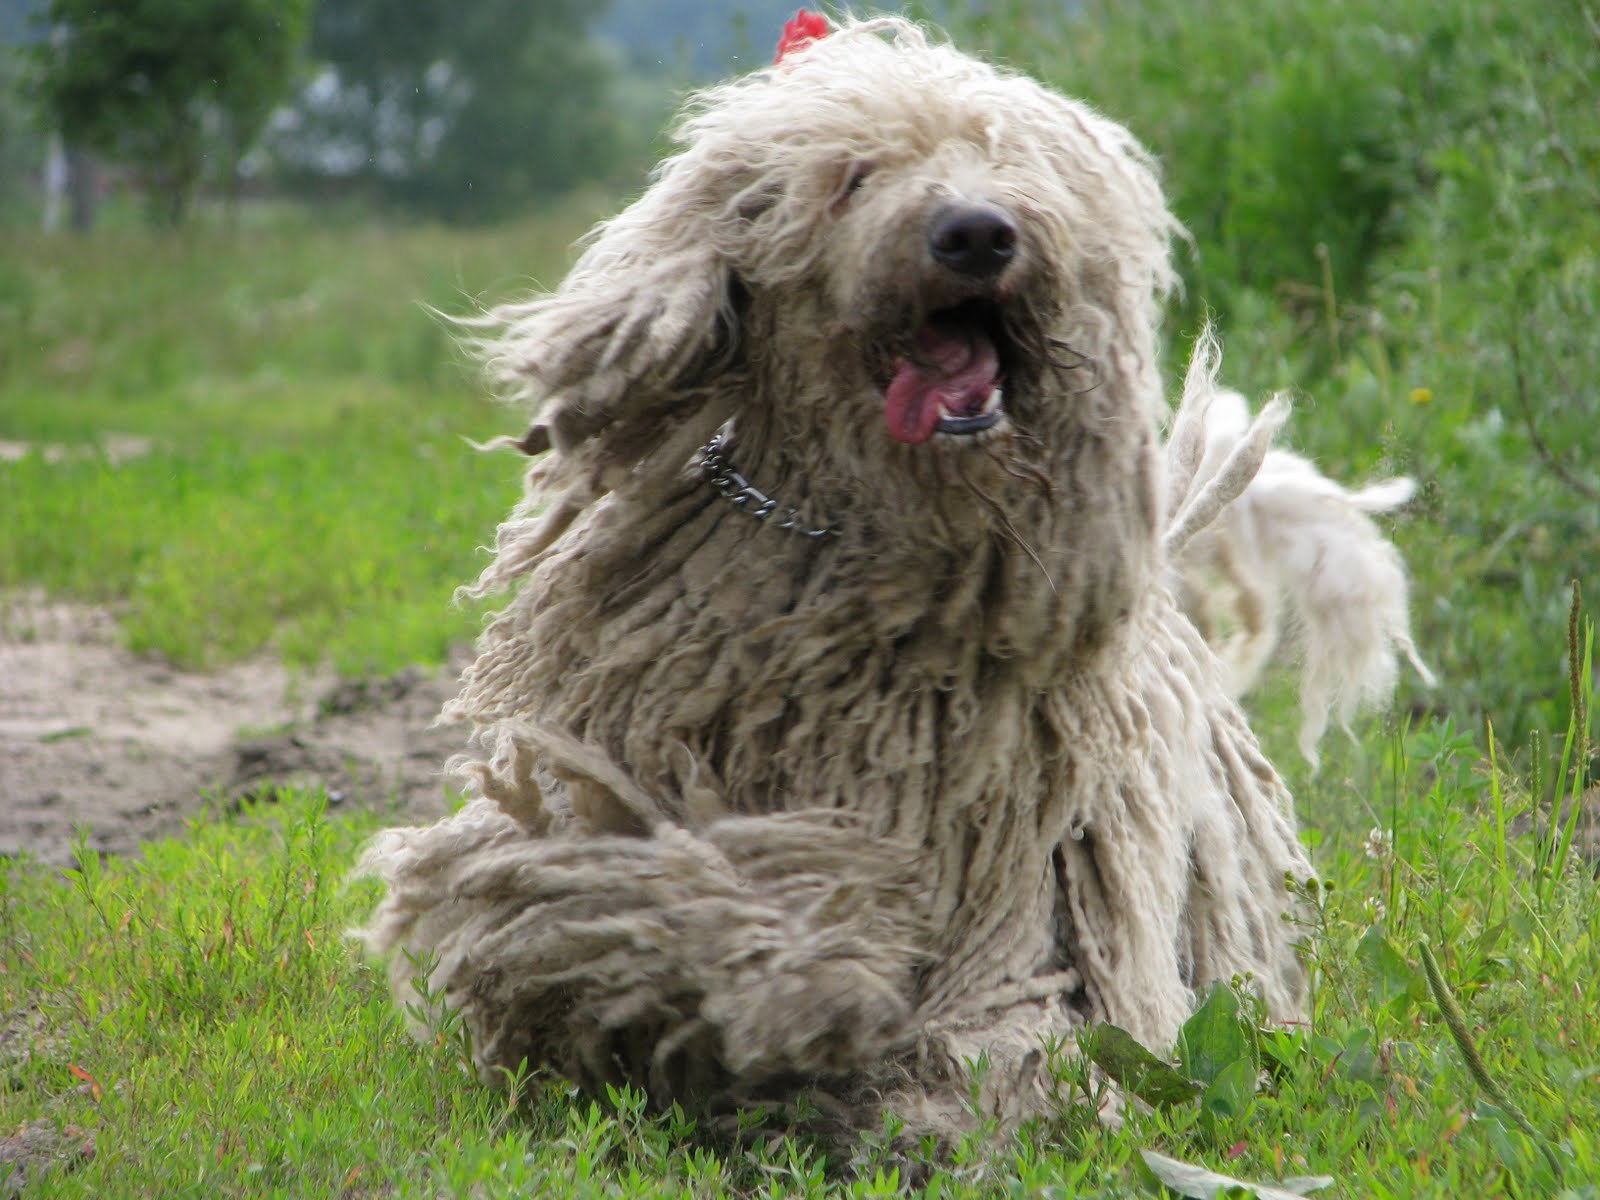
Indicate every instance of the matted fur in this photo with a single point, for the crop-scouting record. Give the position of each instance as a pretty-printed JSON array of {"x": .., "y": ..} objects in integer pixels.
[{"x": 760, "y": 812}]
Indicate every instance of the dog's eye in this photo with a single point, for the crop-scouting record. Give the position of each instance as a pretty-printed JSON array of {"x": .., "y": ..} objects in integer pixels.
[{"x": 853, "y": 181}]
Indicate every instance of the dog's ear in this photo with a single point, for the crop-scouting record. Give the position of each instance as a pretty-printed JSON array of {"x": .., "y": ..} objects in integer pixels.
[{"x": 646, "y": 317}]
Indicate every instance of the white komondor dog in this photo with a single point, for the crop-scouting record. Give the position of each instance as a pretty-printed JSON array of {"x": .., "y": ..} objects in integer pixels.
[
  {"x": 842, "y": 728},
  {"x": 1294, "y": 537}
]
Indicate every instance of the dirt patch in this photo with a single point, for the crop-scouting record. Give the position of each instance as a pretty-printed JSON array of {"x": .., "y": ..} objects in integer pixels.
[
  {"x": 92, "y": 736},
  {"x": 24, "y": 1036},
  {"x": 34, "y": 1147}
]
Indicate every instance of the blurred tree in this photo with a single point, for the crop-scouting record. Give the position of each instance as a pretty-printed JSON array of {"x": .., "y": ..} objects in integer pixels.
[
  {"x": 170, "y": 86},
  {"x": 455, "y": 110},
  {"x": 21, "y": 148}
]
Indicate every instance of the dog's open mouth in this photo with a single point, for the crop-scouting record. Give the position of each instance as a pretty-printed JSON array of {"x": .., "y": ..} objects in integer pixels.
[{"x": 949, "y": 382}]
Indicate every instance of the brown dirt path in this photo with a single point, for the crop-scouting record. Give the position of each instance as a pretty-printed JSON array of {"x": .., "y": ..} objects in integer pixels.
[{"x": 129, "y": 747}]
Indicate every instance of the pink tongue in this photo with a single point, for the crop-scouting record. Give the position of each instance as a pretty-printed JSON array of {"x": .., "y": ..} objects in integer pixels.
[{"x": 955, "y": 366}]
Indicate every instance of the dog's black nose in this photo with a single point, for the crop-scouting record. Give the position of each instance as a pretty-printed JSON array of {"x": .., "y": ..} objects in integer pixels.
[{"x": 973, "y": 239}]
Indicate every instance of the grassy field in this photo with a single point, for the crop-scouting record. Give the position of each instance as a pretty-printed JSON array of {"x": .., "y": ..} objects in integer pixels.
[
  {"x": 194, "y": 1023},
  {"x": 308, "y": 482}
]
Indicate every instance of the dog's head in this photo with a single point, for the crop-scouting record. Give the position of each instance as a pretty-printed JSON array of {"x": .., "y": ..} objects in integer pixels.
[{"x": 877, "y": 254}]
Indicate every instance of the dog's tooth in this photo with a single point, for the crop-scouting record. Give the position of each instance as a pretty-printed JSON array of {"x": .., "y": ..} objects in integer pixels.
[{"x": 993, "y": 402}]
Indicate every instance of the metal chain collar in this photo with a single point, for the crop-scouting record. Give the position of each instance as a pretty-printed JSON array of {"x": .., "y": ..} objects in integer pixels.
[{"x": 739, "y": 492}]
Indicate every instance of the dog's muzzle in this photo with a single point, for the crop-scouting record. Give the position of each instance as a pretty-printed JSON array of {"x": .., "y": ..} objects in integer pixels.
[{"x": 949, "y": 383}]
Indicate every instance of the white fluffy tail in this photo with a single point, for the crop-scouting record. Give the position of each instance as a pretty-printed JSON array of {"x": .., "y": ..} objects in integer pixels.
[{"x": 1283, "y": 533}]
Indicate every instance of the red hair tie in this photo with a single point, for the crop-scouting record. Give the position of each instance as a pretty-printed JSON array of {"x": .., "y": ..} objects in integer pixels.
[{"x": 805, "y": 28}]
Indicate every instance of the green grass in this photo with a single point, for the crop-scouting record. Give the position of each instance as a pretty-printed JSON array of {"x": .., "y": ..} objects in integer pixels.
[{"x": 309, "y": 484}]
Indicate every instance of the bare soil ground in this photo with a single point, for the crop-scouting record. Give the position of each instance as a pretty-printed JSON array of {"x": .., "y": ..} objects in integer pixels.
[{"x": 128, "y": 748}]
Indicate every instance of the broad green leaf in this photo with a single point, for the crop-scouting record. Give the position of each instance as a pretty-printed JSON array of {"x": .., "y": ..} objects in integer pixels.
[
  {"x": 1116, "y": 1052},
  {"x": 1215, "y": 1037},
  {"x": 1391, "y": 973},
  {"x": 1231, "y": 1093},
  {"x": 1357, "y": 1061}
]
